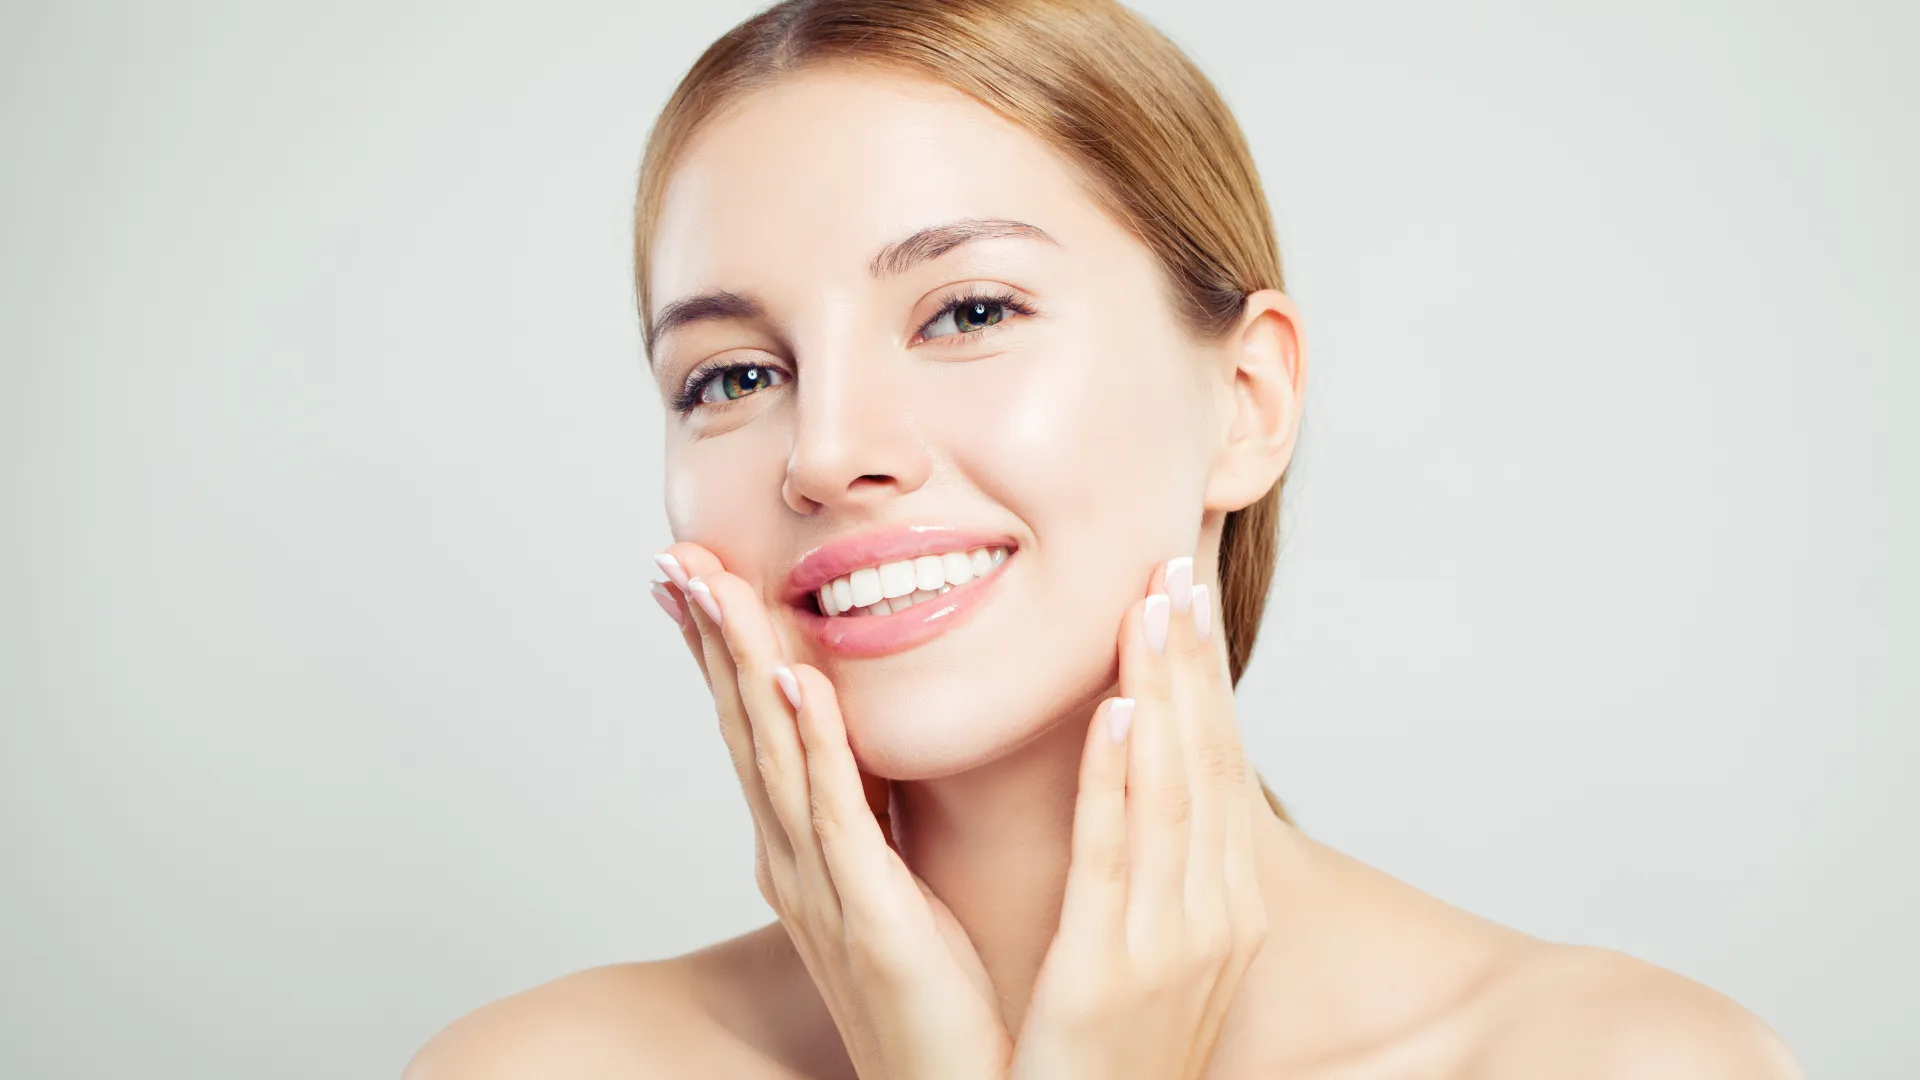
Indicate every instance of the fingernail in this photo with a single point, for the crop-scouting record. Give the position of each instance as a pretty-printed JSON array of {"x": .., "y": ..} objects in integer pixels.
[
  {"x": 1180, "y": 582},
  {"x": 1156, "y": 622},
  {"x": 704, "y": 597},
  {"x": 1202, "y": 613},
  {"x": 671, "y": 567},
  {"x": 1119, "y": 718},
  {"x": 789, "y": 685},
  {"x": 669, "y": 605}
]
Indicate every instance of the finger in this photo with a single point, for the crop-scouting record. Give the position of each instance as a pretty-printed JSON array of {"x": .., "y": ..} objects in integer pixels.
[
  {"x": 1240, "y": 797},
  {"x": 669, "y": 601},
  {"x": 1247, "y": 916},
  {"x": 1094, "y": 911},
  {"x": 1207, "y": 752},
  {"x": 1159, "y": 802},
  {"x": 1246, "y": 908},
  {"x": 672, "y": 562},
  {"x": 1237, "y": 886},
  {"x": 856, "y": 852},
  {"x": 679, "y": 608},
  {"x": 735, "y": 727},
  {"x": 748, "y": 636}
]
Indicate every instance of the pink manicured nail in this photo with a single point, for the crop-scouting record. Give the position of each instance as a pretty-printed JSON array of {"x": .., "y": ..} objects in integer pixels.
[
  {"x": 1155, "y": 622},
  {"x": 1120, "y": 718},
  {"x": 671, "y": 567},
  {"x": 704, "y": 597},
  {"x": 789, "y": 685},
  {"x": 1202, "y": 613},
  {"x": 1180, "y": 582},
  {"x": 669, "y": 605}
]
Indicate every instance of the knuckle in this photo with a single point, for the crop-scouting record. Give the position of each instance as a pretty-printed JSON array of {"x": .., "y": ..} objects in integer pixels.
[
  {"x": 1111, "y": 863},
  {"x": 1223, "y": 761},
  {"x": 1215, "y": 758},
  {"x": 825, "y": 824},
  {"x": 1235, "y": 772},
  {"x": 1176, "y": 803}
]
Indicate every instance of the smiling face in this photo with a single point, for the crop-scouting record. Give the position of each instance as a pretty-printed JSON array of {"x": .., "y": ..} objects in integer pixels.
[{"x": 1027, "y": 382}]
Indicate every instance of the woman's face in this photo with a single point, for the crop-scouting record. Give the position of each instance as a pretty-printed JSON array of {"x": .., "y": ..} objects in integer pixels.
[{"x": 1080, "y": 436}]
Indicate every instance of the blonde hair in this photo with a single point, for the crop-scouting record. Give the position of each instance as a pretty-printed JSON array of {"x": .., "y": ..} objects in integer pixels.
[{"x": 1156, "y": 144}]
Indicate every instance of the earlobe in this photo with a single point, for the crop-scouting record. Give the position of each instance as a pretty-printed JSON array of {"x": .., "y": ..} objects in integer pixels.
[{"x": 1266, "y": 360}]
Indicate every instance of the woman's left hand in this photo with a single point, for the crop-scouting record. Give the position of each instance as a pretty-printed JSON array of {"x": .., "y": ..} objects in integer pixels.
[{"x": 1163, "y": 912}]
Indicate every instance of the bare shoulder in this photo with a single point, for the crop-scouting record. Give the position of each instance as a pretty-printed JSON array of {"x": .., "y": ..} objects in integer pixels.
[
  {"x": 688, "y": 1016},
  {"x": 1581, "y": 1012}
]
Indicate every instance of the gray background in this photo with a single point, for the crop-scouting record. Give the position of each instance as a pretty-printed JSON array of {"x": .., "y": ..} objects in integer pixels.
[{"x": 334, "y": 704}]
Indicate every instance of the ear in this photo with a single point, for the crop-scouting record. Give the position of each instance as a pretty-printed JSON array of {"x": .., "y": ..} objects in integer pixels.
[{"x": 1263, "y": 375}]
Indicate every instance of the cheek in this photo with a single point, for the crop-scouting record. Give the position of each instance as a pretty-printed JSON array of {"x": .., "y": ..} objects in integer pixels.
[
  {"x": 721, "y": 494},
  {"x": 1082, "y": 434}
]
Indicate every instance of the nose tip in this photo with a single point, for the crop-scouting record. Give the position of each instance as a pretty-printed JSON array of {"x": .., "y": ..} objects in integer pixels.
[{"x": 854, "y": 445}]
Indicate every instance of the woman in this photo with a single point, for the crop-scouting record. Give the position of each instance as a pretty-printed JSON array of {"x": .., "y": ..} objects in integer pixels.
[{"x": 981, "y": 389}]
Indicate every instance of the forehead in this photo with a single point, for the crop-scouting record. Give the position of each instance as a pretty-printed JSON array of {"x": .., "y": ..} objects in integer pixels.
[{"x": 806, "y": 179}]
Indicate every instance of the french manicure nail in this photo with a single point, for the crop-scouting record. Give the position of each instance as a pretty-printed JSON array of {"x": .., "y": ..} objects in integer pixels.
[
  {"x": 1202, "y": 610},
  {"x": 1155, "y": 622},
  {"x": 704, "y": 597},
  {"x": 671, "y": 567},
  {"x": 1119, "y": 718},
  {"x": 789, "y": 685},
  {"x": 669, "y": 605},
  {"x": 1180, "y": 582}
]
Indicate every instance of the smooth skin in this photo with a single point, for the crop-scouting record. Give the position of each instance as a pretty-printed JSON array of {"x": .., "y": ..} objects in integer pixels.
[
  {"x": 1161, "y": 915},
  {"x": 1105, "y": 440}
]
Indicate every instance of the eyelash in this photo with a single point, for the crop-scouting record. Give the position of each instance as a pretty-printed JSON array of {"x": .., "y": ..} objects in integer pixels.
[{"x": 688, "y": 399}]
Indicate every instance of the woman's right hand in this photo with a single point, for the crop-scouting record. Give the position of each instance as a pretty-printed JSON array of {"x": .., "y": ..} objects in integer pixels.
[{"x": 897, "y": 972}]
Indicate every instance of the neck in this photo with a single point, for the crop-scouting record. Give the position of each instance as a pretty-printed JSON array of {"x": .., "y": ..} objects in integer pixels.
[{"x": 994, "y": 843}]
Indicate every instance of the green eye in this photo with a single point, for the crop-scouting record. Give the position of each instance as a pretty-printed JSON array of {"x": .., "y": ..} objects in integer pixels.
[
  {"x": 971, "y": 314},
  {"x": 734, "y": 382},
  {"x": 738, "y": 382}
]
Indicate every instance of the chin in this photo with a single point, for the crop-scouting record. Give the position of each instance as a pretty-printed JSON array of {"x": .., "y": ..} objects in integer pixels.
[{"x": 942, "y": 725}]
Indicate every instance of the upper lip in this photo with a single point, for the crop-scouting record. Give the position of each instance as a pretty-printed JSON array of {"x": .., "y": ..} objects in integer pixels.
[{"x": 837, "y": 558}]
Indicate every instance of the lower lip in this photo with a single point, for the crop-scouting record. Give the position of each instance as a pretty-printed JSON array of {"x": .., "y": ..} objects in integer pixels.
[{"x": 884, "y": 635}]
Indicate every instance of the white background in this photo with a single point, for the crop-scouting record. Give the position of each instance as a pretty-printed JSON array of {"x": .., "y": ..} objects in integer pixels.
[{"x": 334, "y": 704}]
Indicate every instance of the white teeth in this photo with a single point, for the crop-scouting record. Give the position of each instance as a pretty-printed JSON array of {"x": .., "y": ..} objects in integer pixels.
[
  {"x": 956, "y": 568},
  {"x": 896, "y": 579},
  {"x": 928, "y": 573},
  {"x": 864, "y": 586},
  {"x": 896, "y": 586}
]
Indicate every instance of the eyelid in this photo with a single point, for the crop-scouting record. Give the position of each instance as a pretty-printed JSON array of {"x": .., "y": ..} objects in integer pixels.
[
  {"x": 688, "y": 391},
  {"x": 1014, "y": 300}
]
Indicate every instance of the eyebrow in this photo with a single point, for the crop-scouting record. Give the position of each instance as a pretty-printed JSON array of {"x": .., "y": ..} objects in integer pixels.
[{"x": 891, "y": 260}]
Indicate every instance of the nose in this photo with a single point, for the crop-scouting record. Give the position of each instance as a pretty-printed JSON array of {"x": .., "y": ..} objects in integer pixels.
[{"x": 855, "y": 444}]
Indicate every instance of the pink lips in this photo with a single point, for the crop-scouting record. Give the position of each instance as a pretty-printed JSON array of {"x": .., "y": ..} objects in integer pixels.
[
  {"x": 842, "y": 557},
  {"x": 881, "y": 635}
]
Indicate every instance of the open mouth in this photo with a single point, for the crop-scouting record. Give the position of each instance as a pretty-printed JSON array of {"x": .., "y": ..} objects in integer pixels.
[{"x": 893, "y": 587}]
